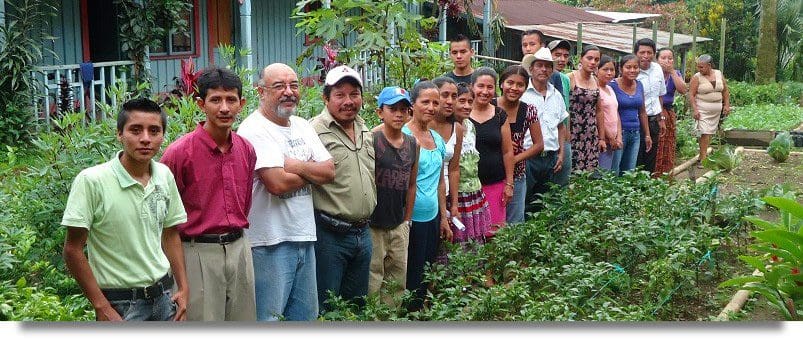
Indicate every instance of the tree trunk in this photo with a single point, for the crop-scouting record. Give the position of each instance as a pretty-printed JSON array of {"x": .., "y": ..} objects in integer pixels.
[{"x": 767, "y": 53}]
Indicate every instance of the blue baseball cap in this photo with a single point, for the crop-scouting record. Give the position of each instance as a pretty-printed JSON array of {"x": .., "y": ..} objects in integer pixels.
[{"x": 392, "y": 95}]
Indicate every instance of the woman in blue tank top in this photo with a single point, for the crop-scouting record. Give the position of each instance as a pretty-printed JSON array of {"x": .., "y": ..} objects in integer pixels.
[{"x": 630, "y": 96}]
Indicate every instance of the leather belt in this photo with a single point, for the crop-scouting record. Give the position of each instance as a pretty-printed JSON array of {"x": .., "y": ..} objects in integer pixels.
[
  {"x": 150, "y": 292},
  {"x": 222, "y": 239}
]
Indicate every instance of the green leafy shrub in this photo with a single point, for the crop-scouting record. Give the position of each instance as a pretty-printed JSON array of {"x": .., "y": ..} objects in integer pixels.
[
  {"x": 725, "y": 158},
  {"x": 744, "y": 93},
  {"x": 780, "y": 147},
  {"x": 780, "y": 249},
  {"x": 764, "y": 117}
]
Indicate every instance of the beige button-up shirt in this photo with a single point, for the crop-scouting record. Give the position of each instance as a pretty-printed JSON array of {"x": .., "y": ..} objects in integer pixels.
[{"x": 352, "y": 195}]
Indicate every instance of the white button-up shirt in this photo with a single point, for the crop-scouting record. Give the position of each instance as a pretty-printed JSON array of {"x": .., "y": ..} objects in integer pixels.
[
  {"x": 654, "y": 87},
  {"x": 551, "y": 112}
]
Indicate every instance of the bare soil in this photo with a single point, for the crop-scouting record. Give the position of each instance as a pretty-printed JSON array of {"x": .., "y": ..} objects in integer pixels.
[{"x": 757, "y": 172}]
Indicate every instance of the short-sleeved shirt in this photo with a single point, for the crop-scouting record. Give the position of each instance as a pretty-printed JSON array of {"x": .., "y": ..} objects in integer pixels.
[
  {"x": 352, "y": 195},
  {"x": 288, "y": 217},
  {"x": 469, "y": 160},
  {"x": 629, "y": 105},
  {"x": 459, "y": 79},
  {"x": 551, "y": 112},
  {"x": 393, "y": 168},
  {"x": 669, "y": 98},
  {"x": 526, "y": 115},
  {"x": 125, "y": 222},
  {"x": 489, "y": 143},
  {"x": 215, "y": 187},
  {"x": 430, "y": 164},
  {"x": 653, "y": 81}
]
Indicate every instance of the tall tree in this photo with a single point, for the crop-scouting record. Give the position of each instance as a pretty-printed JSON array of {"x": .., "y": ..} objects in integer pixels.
[{"x": 767, "y": 53}]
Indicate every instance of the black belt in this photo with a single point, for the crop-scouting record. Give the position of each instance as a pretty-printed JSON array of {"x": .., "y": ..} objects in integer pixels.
[
  {"x": 329, "y": 219},
  {"x": 215, "y": 238},
  {"x": 150, "y": 292},
  {"x": 547, "y": 153}
]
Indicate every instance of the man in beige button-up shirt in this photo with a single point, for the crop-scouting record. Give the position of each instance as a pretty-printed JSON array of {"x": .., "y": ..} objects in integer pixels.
[{"x": 342, "y": 208}]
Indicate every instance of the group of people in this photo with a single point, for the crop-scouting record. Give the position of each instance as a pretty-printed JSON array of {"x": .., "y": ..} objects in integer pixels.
[{"x": 266, "y": 223}]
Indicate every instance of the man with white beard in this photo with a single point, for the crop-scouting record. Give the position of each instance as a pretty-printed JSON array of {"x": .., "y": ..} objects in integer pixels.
[{"x": 290, "y": 157}]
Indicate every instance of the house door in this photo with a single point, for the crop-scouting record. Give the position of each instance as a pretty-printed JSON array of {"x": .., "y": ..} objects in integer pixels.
[
  {"x": 101, "y": 31},
  {"x": 221, "y": 26}
]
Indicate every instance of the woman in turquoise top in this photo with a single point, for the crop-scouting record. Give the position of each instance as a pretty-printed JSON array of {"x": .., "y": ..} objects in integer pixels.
[{"x": 429, "y": 208}]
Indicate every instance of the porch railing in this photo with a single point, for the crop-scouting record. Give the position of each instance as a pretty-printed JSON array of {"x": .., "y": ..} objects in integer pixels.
[{"x": 82, "y": 97}]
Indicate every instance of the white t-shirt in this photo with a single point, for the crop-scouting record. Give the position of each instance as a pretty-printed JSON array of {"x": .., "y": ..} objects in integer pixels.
[{"x": 274, "y": 219}]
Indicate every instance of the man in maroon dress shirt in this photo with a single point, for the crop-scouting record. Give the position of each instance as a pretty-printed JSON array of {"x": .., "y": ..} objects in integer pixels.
[{"x": 213, "y": 167}]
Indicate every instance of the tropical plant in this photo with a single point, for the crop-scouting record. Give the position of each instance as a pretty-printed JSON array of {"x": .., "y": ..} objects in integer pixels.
[
  {"x": 780, "y": 248},
  {"x": 145, "y": 24},
  {"x": 780, "y": 147},
  {"x": 21, "y": 37},
  {"x": 725, "y": 158}
]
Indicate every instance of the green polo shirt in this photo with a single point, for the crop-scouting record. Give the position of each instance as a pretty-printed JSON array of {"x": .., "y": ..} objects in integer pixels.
[
  {"x": 125, "y": 222},
  {"x": 352, "y": 195}
]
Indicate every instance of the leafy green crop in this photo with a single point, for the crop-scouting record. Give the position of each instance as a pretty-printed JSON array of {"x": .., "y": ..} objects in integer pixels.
[
  {"x": 780, "y": 147},
  {"x": 725, "y": 159},
  {"x": 764, "y": 117}
]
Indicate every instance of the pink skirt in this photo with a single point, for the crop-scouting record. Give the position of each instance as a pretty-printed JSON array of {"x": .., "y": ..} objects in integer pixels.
[{"x": 494, "y": 192}]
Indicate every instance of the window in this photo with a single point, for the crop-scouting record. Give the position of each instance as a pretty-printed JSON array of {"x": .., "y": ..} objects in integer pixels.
[{"x": 180, "y": 44}]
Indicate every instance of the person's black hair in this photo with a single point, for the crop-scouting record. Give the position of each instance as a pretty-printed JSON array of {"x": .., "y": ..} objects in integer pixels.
[
  {"x": 214, "y": 77},
  {"x": 626, "y": 59},
  {"x": 604, "y": 59},
  {"x": 534, "y": 32},
  {"x": 463, "y": 88},
  {"x": 588, "y": 48},
  {"x": 513, "y": 70},
  {"x": 484, "y": 71},
  {"x": 443, "y": 80},
  {"x": 142, "y": 105},
  {"x": 664, "y": 49},
  {"x": 420, "y": 87},
  {"x": 327, "y": 90},
  {"x": 459, "y": 38},
  {"x": 644, "y": 42}
]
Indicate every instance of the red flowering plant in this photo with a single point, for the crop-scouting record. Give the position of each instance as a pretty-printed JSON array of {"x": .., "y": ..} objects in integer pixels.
[{"x": 780, "y": 246}]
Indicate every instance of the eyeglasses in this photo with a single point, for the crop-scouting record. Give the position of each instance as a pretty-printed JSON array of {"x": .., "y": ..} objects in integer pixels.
[{"x": 280, "y": 87}]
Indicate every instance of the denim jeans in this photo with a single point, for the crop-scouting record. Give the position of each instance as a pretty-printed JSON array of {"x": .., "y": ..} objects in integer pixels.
[
  {"x": 423, "y": 248},
  {"x": 284, "y": 277},
  {"x": 515, "y": 208},
  {"x": 154, "y": 309},
  {"x": 562, "y": 177},
  {"x": 342, "y": 263},
  {"x": 539, "y": 174},
  {"x": 630, "y": 141},
  {"x": 610, "y": 160}
]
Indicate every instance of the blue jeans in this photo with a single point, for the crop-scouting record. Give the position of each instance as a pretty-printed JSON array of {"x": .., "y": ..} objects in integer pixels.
[
  {"x": 562, "y": 177},
  {"x": 630, "y": 141},
  {"x": 342, "y": 263},
  {"x": 155, "y": 309},
  {"x": 610, "y": 160},
  {"x": 515, "y": 208},
  {"x": 284, "y": 277}
]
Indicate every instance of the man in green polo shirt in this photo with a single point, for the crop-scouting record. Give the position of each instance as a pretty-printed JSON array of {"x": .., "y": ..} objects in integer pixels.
[
  {"x": 343, "y": 207},
  {"x": 126, "y": 212}
]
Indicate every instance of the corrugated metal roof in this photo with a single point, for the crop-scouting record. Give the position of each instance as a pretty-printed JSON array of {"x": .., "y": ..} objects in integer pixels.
[
  {"x": 618, "y": 37},
  {"x": 530, "y": 12}
]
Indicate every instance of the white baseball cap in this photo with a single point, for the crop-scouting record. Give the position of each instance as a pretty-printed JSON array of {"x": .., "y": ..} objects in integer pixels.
[
  {"x": 542, "y": 54},
  {"x": 339, "y": 72}
]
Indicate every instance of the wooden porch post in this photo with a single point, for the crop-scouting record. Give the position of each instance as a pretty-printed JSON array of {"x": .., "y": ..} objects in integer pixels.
[{"x": 245, "y": 36}]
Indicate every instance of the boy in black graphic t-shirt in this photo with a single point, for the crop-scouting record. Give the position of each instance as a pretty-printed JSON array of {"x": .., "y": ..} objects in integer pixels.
[{"x": 396, "y": 169}]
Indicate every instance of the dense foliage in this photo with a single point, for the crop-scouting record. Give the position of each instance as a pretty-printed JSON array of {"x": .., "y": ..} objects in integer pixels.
[
  {"x": 628, "y": 248},
  {"x": 764, "y": 117}
]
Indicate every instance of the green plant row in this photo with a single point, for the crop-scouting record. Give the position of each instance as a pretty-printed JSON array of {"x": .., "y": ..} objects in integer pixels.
[
  {"x": 764, "y": 117},
  {"x": 609, "y": 249}
]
